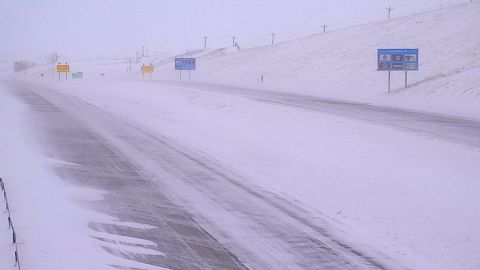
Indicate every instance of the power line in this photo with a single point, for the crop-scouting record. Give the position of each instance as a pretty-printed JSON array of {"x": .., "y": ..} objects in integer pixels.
[{"x": 205, "y": 42}]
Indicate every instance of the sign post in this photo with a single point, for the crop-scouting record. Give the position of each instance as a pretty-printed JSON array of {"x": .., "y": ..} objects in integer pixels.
[
  {"x": 185, "y": 64},
  {"x": 397, "y": 60},
  {"x": 63, "y": 69}
]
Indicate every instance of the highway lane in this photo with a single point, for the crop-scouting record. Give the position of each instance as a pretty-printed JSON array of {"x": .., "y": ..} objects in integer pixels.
[
  {"x": 458, "y": 130},
  {"x": 204, "y": 216},
  {"x": 131, "y": 195}
]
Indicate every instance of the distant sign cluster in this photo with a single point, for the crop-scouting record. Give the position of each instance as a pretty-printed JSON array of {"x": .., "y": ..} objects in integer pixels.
[{"x": 397, "y": 59}]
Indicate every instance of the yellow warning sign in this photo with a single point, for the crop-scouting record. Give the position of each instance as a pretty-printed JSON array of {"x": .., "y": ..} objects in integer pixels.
[
  {"x": 63, "y": 68},
  {"x": 147, "y": 69}
]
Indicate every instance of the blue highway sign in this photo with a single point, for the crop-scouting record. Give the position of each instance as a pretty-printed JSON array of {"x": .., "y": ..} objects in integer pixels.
[
  {"x": 397, "y": 59},
  {"x": 185, "y": 64}
]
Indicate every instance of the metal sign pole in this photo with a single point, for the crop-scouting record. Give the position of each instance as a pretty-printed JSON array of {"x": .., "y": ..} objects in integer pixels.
[
  {"x": 180, "y": 74},
  {"x": 406, "y": 79},
  {"x": 389, "y": 81},
  {"x": 189, "y": 74}
]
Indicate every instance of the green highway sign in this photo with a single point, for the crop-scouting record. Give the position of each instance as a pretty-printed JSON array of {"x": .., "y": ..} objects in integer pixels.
[{"x": 77, "y": 75}]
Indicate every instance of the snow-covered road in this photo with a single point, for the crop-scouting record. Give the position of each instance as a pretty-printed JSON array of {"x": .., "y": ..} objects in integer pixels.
[
  {"x": 454, "y": 129},
  {"x": 151, "y": 180},
  {"x": 191, "y": 179}
]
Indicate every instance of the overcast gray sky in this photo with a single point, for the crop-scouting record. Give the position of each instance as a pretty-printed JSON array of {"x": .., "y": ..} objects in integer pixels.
[{"x": 119, "y": 27}]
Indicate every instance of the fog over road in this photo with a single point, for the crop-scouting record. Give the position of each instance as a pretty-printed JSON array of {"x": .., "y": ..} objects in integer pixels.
[{"x": 203, "y": 215}]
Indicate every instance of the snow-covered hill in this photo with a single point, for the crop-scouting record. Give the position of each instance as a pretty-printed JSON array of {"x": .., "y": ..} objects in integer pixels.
[{"x": 342, "y": 63}]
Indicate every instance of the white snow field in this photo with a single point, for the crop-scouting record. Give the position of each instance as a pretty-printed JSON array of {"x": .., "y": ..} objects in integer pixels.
[
  {"x": 342, "y": 64},
  {"x": 409, "y": 199}
]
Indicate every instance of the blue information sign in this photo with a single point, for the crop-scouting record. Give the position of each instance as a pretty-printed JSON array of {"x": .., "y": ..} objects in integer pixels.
[
  {"x": 397, "y": 59},
  {"x": 185, "y": 64}
]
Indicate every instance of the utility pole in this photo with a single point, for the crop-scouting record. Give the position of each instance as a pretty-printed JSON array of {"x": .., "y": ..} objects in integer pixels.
[
  {"x": 143, "y": 51},
  {"x": 205, "y": 43},
  {"x": 273, "y": 38},
  {"x": 389, "y": 8},
  {"x": 233, "y": 41},
  {"x": 325, "y": 28}
]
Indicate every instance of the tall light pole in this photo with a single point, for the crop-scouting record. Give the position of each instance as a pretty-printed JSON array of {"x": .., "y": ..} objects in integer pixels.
[
  {"x": 389, "y": 9},
  {"x": 233, "y": 41},
  {"x": 273, "y": 38},
  {"x": 325, "y": 28},
  {"x": 205, "y": 43}
]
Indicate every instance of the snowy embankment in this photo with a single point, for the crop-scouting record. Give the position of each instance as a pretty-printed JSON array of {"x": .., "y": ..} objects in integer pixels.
[
  {"x": 408, "y": 196},
  {"x": 342, "y": 64}
]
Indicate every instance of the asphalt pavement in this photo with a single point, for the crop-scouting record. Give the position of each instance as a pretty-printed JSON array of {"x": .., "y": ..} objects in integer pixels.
[{"x": 203, "y": 215}]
